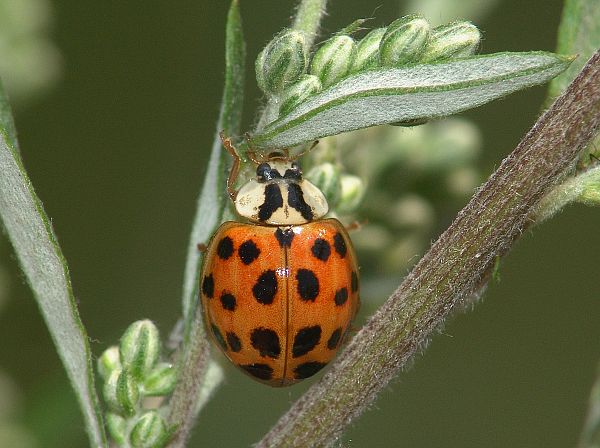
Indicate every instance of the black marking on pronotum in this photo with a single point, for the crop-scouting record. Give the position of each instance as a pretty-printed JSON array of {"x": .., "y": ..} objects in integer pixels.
[
  {"x": 306, "y": 340},
  {"x": 297, "y": 202},
  {"x": 307, "y": 369},
  {"x": 260, "y": 371},
  {"x": 273, "y": 201},
  {"x": 284, "y": 237},
  {"x": 266, "y": 342}
]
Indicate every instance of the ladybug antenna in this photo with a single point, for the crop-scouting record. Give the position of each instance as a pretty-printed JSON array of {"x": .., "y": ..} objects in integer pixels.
[
  {"x": 251, "y": 152},
  {"x": 301, "y": 153}
]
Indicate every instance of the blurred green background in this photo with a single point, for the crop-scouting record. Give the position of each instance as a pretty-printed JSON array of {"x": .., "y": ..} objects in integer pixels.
[{"x": 116, "y": 148}]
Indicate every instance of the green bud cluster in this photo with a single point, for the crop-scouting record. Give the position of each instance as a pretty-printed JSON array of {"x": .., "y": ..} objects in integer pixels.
[
  {"x": 281, "y": 68},
  {"x": 434, "y": 166},
  {"x": 131, "y": 372}
]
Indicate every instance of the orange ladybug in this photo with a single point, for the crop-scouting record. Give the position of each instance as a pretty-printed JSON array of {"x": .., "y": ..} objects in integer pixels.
[{"x": 279, "y": 293}]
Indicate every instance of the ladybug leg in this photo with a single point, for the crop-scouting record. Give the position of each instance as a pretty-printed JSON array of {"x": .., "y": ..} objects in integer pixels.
[
  {"x": 355, "y": 225},
  {"x": 235, "y": 167},
  {"x": 202, "y": 248}
]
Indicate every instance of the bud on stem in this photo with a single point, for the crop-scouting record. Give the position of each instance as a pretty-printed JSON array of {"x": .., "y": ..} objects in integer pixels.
[
  {"x": 282, "y": 61},
  {"x": 404, "y": 41},
  {"x": 332, "y": 60}
]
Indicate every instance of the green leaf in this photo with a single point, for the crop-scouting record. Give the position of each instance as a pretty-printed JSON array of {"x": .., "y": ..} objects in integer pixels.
[
  {"x": 422, "y": 91},
  {"x": 578, "y": 33},
  {"x": 213, "y": 199},
  {"x": 36, "y": 247}
]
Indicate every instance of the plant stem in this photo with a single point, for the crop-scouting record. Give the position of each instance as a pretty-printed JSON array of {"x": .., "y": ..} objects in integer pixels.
[
  {"x": 308, "y": 18},
  {"x": 454, "y": 269}
]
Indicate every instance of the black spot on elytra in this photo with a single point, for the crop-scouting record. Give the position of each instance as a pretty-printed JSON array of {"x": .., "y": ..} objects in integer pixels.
[
  {"x": 305, "y": 340},
  {"x": 248, "y": 252},
  {"x": 266, "y": 342},
  {"x": 334, "y": 339},
  {"x": 339, "y": 244},
  {"x": 225, "y": 248},
  {"x": 354, "y": 282},
  {"x": 297, "y": 202},
  {"x": 321, "y": 249},
  {"x": 308, "y": 284},
  {"x": 219, "y": 337},
  {"x": 208, "y": 286},
  {"x": 234, "y": 342},
  {"x": 308, "y": 369},
  {"x": 261, "y": 371},
  {"x": 273, "y": 200},
  {"x": 228, "y": 301},
  {"x": 284, "y": 237},
  {"x": 265, "y": 288},
  {"x": 341, "y": 295}
]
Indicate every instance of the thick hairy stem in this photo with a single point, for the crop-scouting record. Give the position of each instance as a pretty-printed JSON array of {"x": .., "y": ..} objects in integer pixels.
[{"x": 452, "y": 271}]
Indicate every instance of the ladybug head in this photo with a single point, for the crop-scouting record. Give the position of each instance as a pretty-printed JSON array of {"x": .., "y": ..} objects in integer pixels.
[
  {"x": 278, "y": 169},
  {"x": 278, "y": 195}
]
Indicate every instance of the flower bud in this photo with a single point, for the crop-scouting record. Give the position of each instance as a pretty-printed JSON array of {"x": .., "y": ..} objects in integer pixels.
[
  {"x": 404, "y": 41},
  {"x": 150, "y": 431},
  {"x": 121, "y": 392},
  {"x": 282, "y": 61},
  {"x": 453, "y": 40},
  {"x": 117, "y": 427},
  {"x": 307, "y": 86},
  {"x": 140, "y": 347},
  {"x": 326, "y": 178},
  {"x": 352, "y": 192},
  {"x": 161, "y": 380},
  {"x": 366, "y": 53},
  {"x": 109, "y": 361},
  {"x": 333, "y": 59}
]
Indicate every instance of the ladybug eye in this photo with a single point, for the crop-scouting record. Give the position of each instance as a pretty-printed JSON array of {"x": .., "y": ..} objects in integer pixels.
[{"x": 263, "y": 172}]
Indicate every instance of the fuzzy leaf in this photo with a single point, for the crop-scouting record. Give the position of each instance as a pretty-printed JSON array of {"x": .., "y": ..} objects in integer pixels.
[
  {"x": 30, "y": 232},
  {"x": 422, "y": 91},
  {"x": 578, "y": 33}
]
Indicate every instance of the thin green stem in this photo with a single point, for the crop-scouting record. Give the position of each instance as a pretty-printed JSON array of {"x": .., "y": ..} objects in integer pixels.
[
  {"x": 308, "y": 18},
  {"x": 451, "y": 273},
  {"x": 193, "y": 357}
]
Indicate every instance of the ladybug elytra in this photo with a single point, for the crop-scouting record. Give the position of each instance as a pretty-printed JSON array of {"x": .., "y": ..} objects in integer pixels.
[{"x": 279, "y": 293}]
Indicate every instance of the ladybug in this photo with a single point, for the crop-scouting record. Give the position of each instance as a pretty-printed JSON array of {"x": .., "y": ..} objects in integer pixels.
[{"x": 279, "y": 293}]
